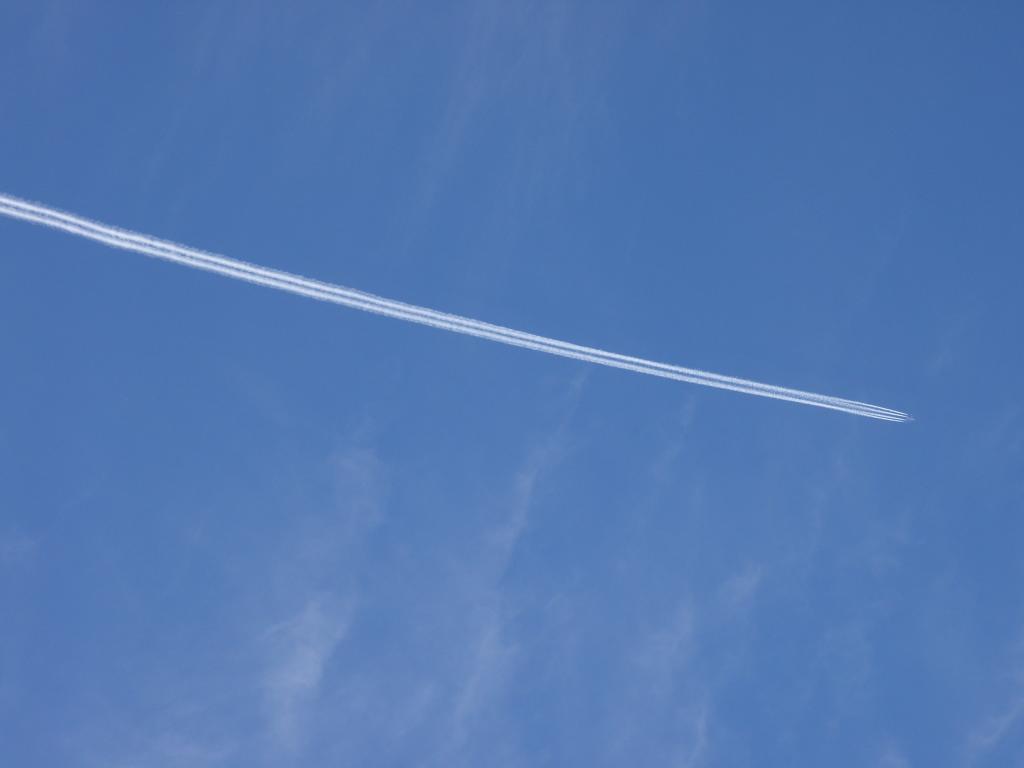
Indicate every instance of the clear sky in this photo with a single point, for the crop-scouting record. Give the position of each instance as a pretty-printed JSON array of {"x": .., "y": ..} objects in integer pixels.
[{"x": 241, "y": 528}]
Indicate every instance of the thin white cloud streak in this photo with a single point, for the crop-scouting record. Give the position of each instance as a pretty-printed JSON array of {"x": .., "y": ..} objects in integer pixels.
[
  {"x": 303, "y": 646},
  {"x": 272, "y": 278}
]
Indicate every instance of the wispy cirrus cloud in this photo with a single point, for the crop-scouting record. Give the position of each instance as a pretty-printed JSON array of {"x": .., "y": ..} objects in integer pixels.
[
  {"x": 664, "y": 692},
  {"x": 1004, "y": 719},
  {"x": 316, "y": 593},
  {"x": 739, "y": 590},
  {"x": 300, "y": 649}
]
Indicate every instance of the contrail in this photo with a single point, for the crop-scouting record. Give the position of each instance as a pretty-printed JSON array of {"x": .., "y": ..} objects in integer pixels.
[{"x": 163, "y": 249}]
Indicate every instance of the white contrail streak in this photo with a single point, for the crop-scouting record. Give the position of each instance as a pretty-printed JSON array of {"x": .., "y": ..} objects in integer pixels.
[{"x": 162, "y": 249}]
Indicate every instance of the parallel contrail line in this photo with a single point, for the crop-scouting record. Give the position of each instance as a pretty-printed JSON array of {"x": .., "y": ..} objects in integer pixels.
[
  {"x": 132, "y": 241},
  {"x": 469, "y": 326}
]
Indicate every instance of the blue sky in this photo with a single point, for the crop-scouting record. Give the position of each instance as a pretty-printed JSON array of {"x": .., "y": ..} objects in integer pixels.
[{"x": 242, "y": 528}]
